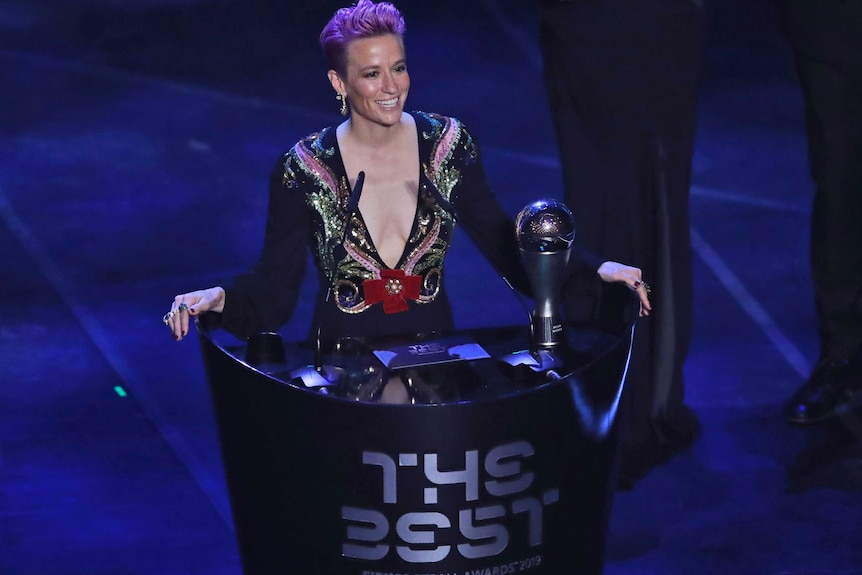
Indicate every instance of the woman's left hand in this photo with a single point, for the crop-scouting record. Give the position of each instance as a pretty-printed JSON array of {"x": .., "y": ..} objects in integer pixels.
[{"x": 612, "y": 272}]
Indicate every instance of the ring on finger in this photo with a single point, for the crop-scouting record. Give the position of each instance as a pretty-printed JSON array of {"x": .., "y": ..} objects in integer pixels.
[{"x": 166, "y": 319}]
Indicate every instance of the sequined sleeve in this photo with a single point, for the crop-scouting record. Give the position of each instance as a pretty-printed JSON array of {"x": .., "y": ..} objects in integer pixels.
[
  {"x": 482, "y": 216},
  {"x": 490, "y": 227}
]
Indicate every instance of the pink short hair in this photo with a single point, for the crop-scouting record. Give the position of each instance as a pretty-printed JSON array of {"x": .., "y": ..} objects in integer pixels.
[{"x": 364, "y": 20}]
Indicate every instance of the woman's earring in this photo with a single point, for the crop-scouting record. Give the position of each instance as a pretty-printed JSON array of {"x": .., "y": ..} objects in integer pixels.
[{"x": 343, "y": 98}]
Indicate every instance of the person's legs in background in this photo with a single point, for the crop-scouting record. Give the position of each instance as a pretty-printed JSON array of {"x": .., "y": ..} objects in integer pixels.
[
  {"x": 826, "y": 36},
  {"x": 622, "y": 78}
]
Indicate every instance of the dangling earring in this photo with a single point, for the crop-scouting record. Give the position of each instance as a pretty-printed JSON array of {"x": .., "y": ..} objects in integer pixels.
[{"x": 343, "y": 99}]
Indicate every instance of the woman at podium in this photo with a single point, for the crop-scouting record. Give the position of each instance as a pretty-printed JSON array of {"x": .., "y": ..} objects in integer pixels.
[{"x": 376, "y": 199}]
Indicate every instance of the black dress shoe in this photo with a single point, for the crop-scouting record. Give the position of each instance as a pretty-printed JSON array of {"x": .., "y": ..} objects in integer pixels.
[{"x": 832, "y": 385}]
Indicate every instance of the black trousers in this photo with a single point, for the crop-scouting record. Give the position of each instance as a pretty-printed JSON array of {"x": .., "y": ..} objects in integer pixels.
[
  {"x": 826, "y": 36},
  {"x": 622, "y": 77}
]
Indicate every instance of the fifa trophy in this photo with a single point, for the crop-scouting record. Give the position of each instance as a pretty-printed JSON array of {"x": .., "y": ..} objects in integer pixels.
[{"x": 545, "y": 230}]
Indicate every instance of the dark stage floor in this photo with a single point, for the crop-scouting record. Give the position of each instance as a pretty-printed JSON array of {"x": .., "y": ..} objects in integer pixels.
[{"x": 135, "y": 139}]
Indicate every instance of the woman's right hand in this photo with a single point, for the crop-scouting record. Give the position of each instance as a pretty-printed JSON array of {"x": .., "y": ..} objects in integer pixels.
[{"x": 190, "y": 305}]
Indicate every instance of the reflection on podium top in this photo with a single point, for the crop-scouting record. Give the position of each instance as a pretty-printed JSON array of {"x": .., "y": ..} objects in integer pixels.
[{"x": 426, "y": 369}]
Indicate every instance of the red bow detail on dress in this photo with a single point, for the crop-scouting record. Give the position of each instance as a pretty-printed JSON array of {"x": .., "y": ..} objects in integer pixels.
[{"x": 393, "y": 288}]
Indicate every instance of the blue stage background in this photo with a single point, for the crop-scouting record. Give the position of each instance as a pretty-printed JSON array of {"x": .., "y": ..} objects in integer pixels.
[{"x": 135, "y": 141}]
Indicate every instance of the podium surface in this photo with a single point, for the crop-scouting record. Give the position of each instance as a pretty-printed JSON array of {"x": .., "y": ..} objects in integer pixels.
[{"x": 458, "y": 453}]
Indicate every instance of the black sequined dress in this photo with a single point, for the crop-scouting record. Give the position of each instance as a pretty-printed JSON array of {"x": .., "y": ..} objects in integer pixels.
[{"x": 312, "y": 205}]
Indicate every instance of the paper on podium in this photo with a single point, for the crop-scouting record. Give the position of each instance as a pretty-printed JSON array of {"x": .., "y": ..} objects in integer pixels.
[{"x": 430, "y": 352}]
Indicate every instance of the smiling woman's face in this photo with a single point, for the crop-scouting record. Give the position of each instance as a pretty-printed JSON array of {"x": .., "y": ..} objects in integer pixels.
[{"x": 377, "y": 81}]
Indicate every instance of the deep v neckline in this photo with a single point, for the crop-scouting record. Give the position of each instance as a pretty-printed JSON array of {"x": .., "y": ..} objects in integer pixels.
[
  {"x": 357, "y": 213},
  {"x": 383, "y": 265}
]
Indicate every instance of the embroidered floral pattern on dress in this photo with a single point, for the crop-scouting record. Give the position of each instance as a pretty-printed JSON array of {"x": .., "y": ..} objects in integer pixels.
[{"x": 342, "y": 242}]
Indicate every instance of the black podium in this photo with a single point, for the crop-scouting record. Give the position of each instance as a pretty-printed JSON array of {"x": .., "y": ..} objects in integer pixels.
[{"x": 437, "y": 454}]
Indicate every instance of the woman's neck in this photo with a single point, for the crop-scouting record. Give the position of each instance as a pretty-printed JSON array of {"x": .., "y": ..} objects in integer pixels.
[{"x": 370, "y": 134}]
